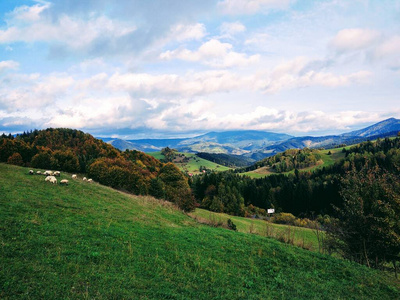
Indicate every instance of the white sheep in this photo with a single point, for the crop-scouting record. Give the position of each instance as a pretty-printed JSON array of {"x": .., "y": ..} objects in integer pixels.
[
  {"x": 64, "y": 181},
  {"x": 74, "y": 176},
  {"x": 90, "y": 180},
  {"x": 57, "y": 173},
  {"x": 48, "y": 173},
  {"x": 39, "y": 173},
  {"x": 84, "y": 179},
  {"x": 52, "y": 179},
  {"x": 31, "y": 172}
]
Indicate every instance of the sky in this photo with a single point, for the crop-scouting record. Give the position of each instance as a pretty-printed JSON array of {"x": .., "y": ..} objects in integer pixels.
[{"x": 169, "y": 68}]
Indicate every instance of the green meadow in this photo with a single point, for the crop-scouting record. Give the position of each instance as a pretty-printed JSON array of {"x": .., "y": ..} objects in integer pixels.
[{"x": 87, "y": 241}]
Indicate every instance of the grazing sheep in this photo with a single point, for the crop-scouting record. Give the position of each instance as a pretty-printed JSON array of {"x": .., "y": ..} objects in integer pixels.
[
  {"x": 74, "y": 176},
  {"x": 64, "y": 181},
  {"x": 48, "y": 173},
  {"x": 38, "y": 173},
  {"x": 90, "y": 180},
  {"x": 84, "y": 179},
  {"x": 52, "y": 179},
  {"x": 57, "y": 173},
  {"x": 31, "y": 172}
]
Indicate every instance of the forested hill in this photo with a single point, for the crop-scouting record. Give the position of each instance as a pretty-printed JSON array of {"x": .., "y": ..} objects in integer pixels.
[
  {"x": 77, "y": 152},
  {"x": 301, "y": 193},
  {"x": 228, "y": 160},
  {"x": 288, "y": 160}
]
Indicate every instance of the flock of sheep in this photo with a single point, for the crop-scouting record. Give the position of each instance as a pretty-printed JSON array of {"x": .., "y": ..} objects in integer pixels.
[{"x": 51, "y": 177}]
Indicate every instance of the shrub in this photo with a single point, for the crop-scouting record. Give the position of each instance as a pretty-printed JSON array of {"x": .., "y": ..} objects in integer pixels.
[
  {"x": 284, "y": 218},
  {"x": 231, "y": 225},
  {"x": 15, "y": 159}
]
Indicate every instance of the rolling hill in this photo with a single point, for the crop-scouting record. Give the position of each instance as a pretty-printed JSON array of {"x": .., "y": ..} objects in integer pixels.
[{"x": 90, "y": 241}]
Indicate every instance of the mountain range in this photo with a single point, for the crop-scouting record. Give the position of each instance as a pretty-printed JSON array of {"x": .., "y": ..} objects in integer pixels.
[{"x": 257, "y": 144}]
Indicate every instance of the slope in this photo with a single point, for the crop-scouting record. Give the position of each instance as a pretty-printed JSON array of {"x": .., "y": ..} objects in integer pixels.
[{"x": 89, "y": 241}]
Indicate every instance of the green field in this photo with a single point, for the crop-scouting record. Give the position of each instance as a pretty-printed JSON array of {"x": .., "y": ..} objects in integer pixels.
[
  {"x": 87, "y": 241},
  {"x": 194, "y": 163}
]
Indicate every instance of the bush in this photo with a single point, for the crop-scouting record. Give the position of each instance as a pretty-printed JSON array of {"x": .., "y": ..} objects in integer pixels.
[
  {"x": 284, "y": 218},
  {"x": 231, "y": 225},
  {"x": 15, "y": 159}
]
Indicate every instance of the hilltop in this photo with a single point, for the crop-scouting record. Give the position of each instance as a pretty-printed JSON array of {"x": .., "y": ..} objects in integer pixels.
[{"x": 90, "y": 241}]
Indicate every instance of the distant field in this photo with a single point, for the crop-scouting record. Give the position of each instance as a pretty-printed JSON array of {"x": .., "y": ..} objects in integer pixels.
[
  {"x": 194, "y": 163},
  {"x": 87, "y": 241}
]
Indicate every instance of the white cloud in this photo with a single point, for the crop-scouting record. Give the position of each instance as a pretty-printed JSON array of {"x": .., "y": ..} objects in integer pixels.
[
  {"x": 213, "y": 53},
  {"x": 27, "y": 92},
  {"x": 229, "y": 30},
  {"x": 28, "y": 24},
  {"x": 8, "y": 64},
  {"x": 182, "y": 32},
  {"x": 27, "y": 14},
  {"x": 295, "y": 74},
  {"x": 355, "y": 39},
  {"x": 388, "y": 52},
  {"x": 172, "y": 85},
  {"x": 244, "y": 7}
]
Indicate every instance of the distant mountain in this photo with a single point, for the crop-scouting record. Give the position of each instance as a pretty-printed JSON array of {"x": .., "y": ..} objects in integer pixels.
[
  {"x": 257, "y": 144},
  {"x": 385, "y": 126},
  {"x": 241, "y": 138},
  {"x": 158, "y": 143},
  {"x": 123, "y": 145},
  {"x": 389, "y": 127},
  {"x": 230, "y": 142}
]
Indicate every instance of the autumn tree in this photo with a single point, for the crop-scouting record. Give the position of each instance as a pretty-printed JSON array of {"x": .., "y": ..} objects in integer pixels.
[
  {"x": 43, "y": 160},
  {"x": 15, "y": 159},
  {"x": 177, "y": 189}
]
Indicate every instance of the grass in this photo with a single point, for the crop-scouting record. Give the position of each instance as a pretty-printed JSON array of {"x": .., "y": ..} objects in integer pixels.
[
  {"x": 87, "y": 241},
  {"x": 194, "y": 163},
  {"x": 303, "y": 237}
]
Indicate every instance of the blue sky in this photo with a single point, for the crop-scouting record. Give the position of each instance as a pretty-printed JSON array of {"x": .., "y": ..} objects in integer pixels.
[{"x": 159, "y": 68}]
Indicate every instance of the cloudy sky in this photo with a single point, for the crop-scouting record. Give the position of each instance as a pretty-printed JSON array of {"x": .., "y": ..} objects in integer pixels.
[{"x": 168, "y": 68}]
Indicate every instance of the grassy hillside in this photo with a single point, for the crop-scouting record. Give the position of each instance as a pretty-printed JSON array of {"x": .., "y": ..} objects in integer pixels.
[
  {"x": 303, "y": 237},
  {"x": 88, "y": 241},
  {"x": 193, "y": 164}
]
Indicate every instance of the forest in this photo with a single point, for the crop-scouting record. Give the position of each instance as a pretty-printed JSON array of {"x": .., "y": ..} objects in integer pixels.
[
  {"x": 302, "y": 193},
  {"x": 228, "y": 160}
]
